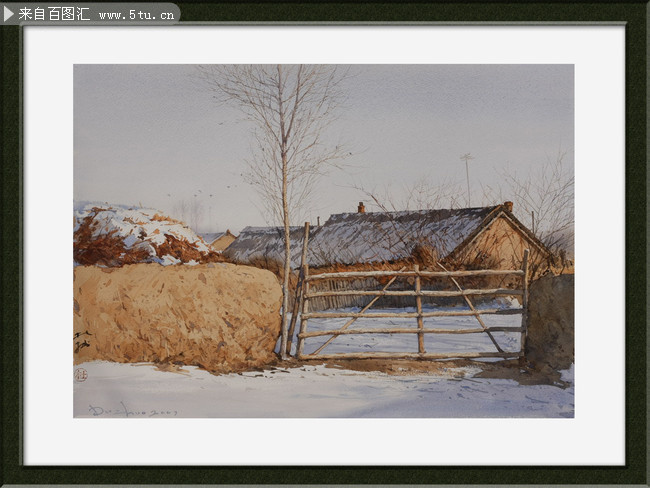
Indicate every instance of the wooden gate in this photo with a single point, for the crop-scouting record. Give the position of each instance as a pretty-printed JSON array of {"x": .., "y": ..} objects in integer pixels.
[{"x": 417, "y": 275}]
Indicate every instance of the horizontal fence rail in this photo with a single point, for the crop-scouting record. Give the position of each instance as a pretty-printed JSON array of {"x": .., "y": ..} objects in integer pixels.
[
  {"x": 408, "y": 331},
  {"x": 423, "y": 293},
  {"x": 418, "y": 329},
  {"x": 422, "y": 274},
  {"x": 412, "y": 315},
  {"x": 413, "y": 355}
]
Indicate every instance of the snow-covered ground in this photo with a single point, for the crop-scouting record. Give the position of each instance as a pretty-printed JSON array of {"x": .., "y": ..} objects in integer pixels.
[{"x": 142, "y": 391}]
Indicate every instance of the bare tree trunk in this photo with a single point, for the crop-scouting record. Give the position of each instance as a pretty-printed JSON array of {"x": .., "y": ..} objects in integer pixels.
[
  {"x": 285, "y": 218},
  {"x": 287, "y": 266}
]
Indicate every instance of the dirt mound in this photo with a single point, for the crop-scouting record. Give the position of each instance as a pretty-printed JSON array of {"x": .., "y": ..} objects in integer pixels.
[
  {"x": 113, "y": 236},
  {"x": 220, "y": 317},
  {"x": 550, "y": 343}
]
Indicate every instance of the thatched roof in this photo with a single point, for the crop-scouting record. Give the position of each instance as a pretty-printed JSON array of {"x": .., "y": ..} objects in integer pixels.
[
  {"x": 385, "y": 236},
  {"x": 265, "y": 242},
  {"x": 210, "y": 237}
]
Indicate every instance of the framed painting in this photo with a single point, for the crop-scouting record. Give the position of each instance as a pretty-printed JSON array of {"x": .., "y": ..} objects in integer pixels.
[{"x": 356, "y": 228}]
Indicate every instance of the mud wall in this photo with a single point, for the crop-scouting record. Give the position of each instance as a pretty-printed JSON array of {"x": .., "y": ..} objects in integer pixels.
[
  {"x": 550, "y": 343},
  {"x": 218, "y": 316}
]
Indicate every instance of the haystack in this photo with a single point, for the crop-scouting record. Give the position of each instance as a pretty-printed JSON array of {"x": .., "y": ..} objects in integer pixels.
[{"x": 220, "y": 317}]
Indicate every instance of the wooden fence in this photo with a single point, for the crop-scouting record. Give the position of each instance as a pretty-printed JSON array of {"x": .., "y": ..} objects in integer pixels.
[{"x": 306, "y": 295}]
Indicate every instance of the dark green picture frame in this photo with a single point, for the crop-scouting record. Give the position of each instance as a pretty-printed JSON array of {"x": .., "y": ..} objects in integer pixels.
[{"x": 633, "y": 14}]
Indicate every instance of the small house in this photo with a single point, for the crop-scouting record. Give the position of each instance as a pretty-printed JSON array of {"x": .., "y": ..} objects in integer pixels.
[
  {"x": 219, "y": 240},
  {"x": 265, "y": 245},
  {"x": 482, "y": 237}
]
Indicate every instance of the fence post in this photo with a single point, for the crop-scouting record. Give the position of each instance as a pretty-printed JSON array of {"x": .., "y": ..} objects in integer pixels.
[
  {"x": 524, "y": 303},
  {"x": 418, "y": 305},
  {"x": 298, "y": 297},
  {"x": 305, "y": 299}
]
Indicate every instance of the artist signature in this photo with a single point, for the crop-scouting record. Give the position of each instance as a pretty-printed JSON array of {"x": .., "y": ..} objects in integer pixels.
[{"x": 124, "y": 411}]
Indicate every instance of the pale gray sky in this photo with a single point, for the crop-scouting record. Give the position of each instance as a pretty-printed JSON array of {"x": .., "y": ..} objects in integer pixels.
[{"x": 149, "y": 135}]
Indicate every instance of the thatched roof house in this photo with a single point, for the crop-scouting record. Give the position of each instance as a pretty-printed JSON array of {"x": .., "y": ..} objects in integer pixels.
[
  {"x": 482, "y": 237},
  {"x": 478, "y": 237},
  {"x": 219, "y": 240},
  {"x": 265, "y": 244}
]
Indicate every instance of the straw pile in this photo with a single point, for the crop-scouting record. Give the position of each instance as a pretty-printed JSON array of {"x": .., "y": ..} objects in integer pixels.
[
  {"x": 220, "y": 317},
  {"x": 114, "y": 235}
]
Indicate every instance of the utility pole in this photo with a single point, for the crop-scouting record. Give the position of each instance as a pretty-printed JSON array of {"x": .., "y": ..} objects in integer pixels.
[{"x": 467, "y": 157}]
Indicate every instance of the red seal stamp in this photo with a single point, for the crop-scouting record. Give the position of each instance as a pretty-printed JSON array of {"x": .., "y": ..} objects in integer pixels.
[{"x": 80, "y": 375}]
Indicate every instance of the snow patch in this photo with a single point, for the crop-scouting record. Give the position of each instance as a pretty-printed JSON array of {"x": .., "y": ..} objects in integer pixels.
[
  {"x": 168, "y": 260},
  {"x": 142, "y": 391}
]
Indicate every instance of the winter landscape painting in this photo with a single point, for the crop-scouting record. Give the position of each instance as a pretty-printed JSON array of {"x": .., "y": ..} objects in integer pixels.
[{"x": 323, "y": 241}]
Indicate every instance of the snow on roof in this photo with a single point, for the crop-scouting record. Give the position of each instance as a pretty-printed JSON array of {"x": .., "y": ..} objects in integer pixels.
[
  {"x": 116, "y": 235},
  {"x": 210, "y": 237},
  {"x": 350, "y": 238},
  {"x": 266, "y": 242}
]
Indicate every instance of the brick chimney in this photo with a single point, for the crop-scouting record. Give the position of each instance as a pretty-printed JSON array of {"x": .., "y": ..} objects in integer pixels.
[
  {"x": 361, "y": 208},
  {"x": 508, "y": 206}
]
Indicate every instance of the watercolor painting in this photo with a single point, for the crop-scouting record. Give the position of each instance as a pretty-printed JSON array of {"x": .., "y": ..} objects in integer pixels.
[{"x": 320, "y": 241}]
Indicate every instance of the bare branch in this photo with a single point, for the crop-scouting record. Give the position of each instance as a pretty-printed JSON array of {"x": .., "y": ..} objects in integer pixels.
[{"x": 543, "y": 200}]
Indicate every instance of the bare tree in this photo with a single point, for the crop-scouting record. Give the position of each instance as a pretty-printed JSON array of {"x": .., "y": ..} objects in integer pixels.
[
  {"x": 181, "y": 210},
  {"x": 290, "y": 108},
  {"x": 196, "y": 214},
  {"x": 545, "y": 199},
  {"x": 190, "y": 212}
]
